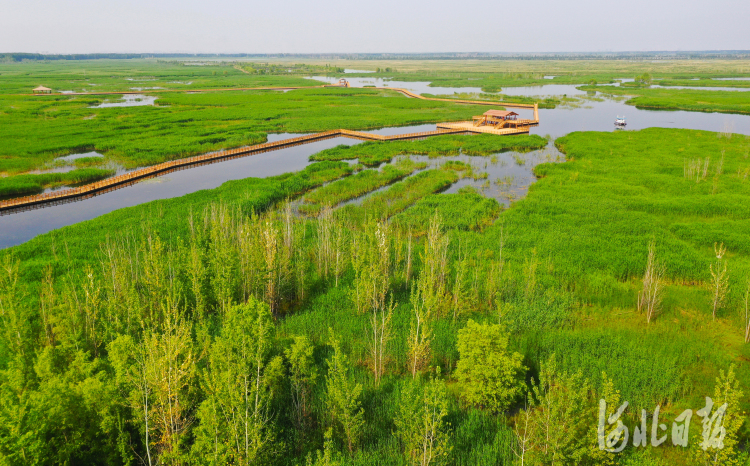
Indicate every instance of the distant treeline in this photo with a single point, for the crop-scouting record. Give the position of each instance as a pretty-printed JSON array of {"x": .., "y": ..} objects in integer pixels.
[{"x": 655, "y": 55}]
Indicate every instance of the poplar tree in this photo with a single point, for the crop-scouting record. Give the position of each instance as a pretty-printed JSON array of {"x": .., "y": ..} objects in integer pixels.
[
  {"x": 302, "y": 377},
  {"x": 420, "y": 423},
  {"x": 241, "y": 382},
  {"x": 726, "y": 391},
  {"x": 343, "y": 397},
  {"x": 491, "y": 376}
]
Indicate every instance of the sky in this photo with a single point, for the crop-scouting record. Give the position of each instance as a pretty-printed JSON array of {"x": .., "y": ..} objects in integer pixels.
[{"x": 384, "y": 26}]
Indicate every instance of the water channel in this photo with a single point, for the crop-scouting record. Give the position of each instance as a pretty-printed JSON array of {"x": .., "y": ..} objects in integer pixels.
[{"x": 509, "y": 174}]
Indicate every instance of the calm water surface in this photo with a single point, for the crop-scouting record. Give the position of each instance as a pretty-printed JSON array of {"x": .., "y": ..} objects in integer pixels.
[{"x": 129, "y": 100}]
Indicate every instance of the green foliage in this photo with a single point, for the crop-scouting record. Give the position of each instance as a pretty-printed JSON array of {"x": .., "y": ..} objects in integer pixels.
[
  {"x": 491, "y": 377},
  {"x": 680, "y": 99},
  {"x": 560, "y": 416},
  {"x": 343, "y": 397},
  {"x": 240, "y": 382},
  {"x": 22, "y": 185},
  {"x": 465, "y": 210},
  {"x": 727, "y": 391},
  {"x": 357, "y": 185},
  {"x": 420, "y": 423},
  {"x": 302, "y": 377}
]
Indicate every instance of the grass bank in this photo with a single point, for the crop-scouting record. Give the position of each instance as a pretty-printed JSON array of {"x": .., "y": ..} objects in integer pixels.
[
  {"x": 681, "y": 99},
  {"x": 23, "y": 185}
]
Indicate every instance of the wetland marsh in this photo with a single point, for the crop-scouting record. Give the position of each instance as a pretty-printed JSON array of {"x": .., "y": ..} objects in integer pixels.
[{"x": 362, "y": 280}]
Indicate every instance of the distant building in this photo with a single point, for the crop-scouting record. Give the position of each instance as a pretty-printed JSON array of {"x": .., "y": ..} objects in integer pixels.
[{"x": 42, "y": 90}]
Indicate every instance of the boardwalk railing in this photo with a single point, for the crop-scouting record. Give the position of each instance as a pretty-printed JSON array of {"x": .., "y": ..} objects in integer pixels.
[{"x": 127, "y": 178}]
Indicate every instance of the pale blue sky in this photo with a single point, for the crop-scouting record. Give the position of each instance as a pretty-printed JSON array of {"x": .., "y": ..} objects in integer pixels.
[{"x": 297, "y": 26}]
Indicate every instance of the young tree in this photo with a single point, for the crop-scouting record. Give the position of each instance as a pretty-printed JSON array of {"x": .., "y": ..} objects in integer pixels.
[
  {"x": 650, "y": 296},
  {"x": 612, "y": 398},
  {"x": 559, "y": 416},
  {"x": 726, "y": 391},
  {"x": 435, "y": 268},
  {"x": 303, "y": 374},
  {"x": 170, "y": 372},
  {"x": 719, "y": 279},
  {"x": 329, "y": 456},
  {"x": 420, "y": 422},
  {"x": 420, "y": 332},
  {"x": 241, "y": 380},
  {"x": 372, "y": 280},
  {"x": 523, "y": 433},
  {"x": 491, "y": 377},
  {"x": 343, "y": 396}
]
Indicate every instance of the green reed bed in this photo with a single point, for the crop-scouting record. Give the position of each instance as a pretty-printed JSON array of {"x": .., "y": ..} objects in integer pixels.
[
  {"x": 374, "y": 153},
  {"x": 125, "y": 75},
  {"x": 401, "y": 195},
  {"x": 357, "y": 185},
  {"x": 548, "y": 102},
  {"x": 593, "y": 216},
  {"x": 22, "y": 185},
  {"x": 703, "y": 82},
  {"x": 36, "y": 130},
  {"x": 464, "y": 210},
  {"x": 681, "y": 99}
]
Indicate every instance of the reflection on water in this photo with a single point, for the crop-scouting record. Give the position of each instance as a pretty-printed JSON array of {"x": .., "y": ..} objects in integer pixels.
[
  {"x": 65, "y": 163},
  {"x": 71, "y": 157},
  {"x": 599, "y": 115},
  {"x": 508, "y": 174},
  {"x": 130, "y": 100}
]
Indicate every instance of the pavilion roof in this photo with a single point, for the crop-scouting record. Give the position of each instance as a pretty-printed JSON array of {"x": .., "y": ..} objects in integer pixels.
[
  {"x": 499, "y": 113},
  {"x": 42, "y": 88}
]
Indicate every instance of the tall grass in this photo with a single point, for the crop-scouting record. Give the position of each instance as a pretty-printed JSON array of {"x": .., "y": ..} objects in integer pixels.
[
  {"x": 357, "y": 185},
  {"x": 32, "y": 184}
]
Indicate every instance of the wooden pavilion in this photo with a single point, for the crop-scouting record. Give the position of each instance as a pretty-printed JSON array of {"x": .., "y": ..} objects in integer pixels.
[
  {"x": 42, "y": 90},
  {"x": 497, "y": 118}
]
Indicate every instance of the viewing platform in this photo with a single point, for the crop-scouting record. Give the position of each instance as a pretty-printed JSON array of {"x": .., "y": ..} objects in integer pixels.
[{"x": 468, "y": 126}]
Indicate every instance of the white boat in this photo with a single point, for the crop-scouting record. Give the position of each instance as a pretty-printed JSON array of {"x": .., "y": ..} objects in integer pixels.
[{"x": 620, "y": 121}]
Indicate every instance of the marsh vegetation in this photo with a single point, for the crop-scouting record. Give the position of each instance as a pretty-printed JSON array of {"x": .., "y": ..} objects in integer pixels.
[{"x": 391, "y": 324}]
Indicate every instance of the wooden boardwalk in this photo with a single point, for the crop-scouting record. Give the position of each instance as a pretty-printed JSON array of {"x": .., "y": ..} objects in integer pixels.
[
  {"x": 468, "y": 127},
  {"x": 126, "y": 179}
]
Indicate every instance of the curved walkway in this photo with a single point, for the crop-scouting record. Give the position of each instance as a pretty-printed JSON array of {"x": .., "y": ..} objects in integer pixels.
[{"x": 20, "y": 203}]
